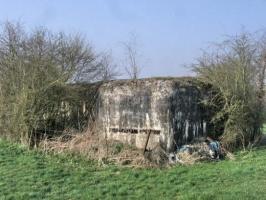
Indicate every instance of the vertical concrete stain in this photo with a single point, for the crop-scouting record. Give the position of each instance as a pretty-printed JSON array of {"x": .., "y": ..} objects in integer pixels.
[{"x": 169, "y": 108}]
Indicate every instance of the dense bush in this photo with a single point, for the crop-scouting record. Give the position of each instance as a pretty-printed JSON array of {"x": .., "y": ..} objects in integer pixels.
[
  {"x": 37, "y": 70},
  {"x": 236, "y": 70}
]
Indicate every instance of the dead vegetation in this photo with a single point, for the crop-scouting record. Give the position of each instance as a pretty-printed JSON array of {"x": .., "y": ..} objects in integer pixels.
[
  {"x": 199, "y": 152},
  {"x": 92, "y": 146}
]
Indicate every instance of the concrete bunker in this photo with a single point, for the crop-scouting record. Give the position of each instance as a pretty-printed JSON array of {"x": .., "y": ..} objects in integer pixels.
[{"x": 169, "y": 110}]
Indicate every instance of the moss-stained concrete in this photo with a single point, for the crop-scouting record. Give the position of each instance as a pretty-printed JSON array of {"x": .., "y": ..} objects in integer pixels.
[{"x": 168, "y": 108}]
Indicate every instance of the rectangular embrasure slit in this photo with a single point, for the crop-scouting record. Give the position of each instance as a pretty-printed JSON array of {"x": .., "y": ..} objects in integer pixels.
[{"x": 134, "y": 131}]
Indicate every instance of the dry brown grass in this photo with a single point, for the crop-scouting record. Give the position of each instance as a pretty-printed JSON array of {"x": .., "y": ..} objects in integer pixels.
[
  {"x": 198, "y": 152},
  {"x": 93, "y": 146}
]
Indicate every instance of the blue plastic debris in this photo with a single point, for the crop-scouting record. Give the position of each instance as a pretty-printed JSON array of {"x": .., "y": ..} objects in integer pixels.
[{"x": 215, "y": 149}]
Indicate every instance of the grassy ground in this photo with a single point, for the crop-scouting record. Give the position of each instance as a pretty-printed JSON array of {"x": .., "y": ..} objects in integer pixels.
[{"x": 32, "y": 175}]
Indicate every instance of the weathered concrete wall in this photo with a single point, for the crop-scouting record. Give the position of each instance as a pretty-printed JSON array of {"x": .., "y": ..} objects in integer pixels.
[{"x": 169, "y": 108}]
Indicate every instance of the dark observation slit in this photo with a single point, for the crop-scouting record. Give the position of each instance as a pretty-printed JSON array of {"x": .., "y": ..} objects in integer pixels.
[{"x": 134, "y": 131}]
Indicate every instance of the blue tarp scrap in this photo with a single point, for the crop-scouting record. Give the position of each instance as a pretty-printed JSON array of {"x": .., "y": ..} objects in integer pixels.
[{"x": 215, "y": 149}]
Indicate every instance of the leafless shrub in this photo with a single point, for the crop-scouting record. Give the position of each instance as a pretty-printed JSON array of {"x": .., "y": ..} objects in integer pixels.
[
  {"x": 35, "y": 68},
  {"x": 132, "y": 55},
  {"x": 236, "y": 70},
  {"x": 109, "y": 69}
]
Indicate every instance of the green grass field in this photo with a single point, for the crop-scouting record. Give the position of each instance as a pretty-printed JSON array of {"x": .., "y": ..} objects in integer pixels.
[{"x": 32, "y": 175}]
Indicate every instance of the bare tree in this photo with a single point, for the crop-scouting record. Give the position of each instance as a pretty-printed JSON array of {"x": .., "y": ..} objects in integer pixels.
[
  {"x": 133, "y": 68},
  {"x": 261, "y": 63},
  {"x": 109, "y": 69}
]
